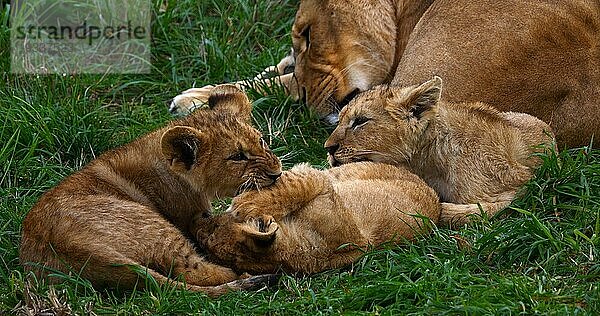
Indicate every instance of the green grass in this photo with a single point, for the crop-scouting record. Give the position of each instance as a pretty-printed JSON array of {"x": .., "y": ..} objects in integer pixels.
[{"x": 540, "y": 257}]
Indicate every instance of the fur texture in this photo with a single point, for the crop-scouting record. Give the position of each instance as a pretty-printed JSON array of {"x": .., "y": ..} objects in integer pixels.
[
  {"x": 137, "y": 204},
  {"x": 312, "y": 220},
  {"x": 469, "y": 153},
  {"x": 540, "y": 57}
]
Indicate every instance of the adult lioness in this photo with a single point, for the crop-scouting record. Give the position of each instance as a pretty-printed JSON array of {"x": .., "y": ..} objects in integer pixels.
[
  {"x": 541, "y": 57},
  {"x": 469, "y": 153},
  {"x": 312, "y": 220},
  {"x": 136, "y": 205}
]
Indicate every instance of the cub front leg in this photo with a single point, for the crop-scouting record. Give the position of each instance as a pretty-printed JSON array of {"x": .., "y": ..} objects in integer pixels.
[{"x": 292, "y": 191}]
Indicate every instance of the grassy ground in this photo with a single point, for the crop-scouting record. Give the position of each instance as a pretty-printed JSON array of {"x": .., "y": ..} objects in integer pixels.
[{"x": 540, "y": 259}]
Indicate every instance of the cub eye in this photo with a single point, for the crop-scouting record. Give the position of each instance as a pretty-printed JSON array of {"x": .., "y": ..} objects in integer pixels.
[
  {"x": 238, "y": 157},
  {"x": 360, "y": 121}
]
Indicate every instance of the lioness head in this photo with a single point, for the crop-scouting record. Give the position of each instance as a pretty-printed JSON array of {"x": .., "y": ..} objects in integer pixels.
[
  {"x": 218, "y": 149},
  {"x": 342, "y": 48},
  {"x": 243, "y": 245},
  {"x": 384, "y": 124}
]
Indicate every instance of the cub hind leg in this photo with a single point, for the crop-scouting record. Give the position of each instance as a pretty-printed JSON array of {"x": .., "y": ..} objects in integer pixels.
[
  {"x": 204, "y": 277},
  {"x": 176, "y": 256},
  {"x": 536, "y": 135},
  {"x": 455, "y": 215},
  {"x": 99, "y": 237},
  {"x": 120, "y": 275}
]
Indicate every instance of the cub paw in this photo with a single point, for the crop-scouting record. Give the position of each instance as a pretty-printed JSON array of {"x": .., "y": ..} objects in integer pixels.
[
  {"x": 260, "y": 232},
  {"x": 255, "y": 282},
  {"x": 264, "y": 223}
]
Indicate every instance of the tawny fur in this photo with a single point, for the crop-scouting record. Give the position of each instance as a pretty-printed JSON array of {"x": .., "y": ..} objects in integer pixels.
[
  {"x": 136, "y": 205},
  {"x": 312, "y": 220},
  {"x": 469, "y": 153},
  {"x": 540, "y": 57}
]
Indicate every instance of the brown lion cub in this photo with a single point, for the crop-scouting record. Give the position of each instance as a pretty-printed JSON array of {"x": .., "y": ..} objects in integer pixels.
[
  {"x": 469, "y": 153},
  {"x": 135, "y": 205},
  {"x": 312, "y": 220}
]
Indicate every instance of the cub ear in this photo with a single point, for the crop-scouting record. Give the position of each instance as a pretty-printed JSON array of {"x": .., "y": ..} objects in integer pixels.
[
  {"x": 228, "y": 97},
  {"x": 180, "y": 146},
  {"x": 425, "y": 97},
  {"x": 260, "y": 233},
  {"x": 418, "y": 100}
]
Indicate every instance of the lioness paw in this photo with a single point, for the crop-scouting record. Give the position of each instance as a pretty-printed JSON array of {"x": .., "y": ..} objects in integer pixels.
[{"x": 190, "y": 100}]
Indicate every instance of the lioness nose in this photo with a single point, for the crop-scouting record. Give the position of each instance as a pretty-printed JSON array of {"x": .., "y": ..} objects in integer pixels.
[{"x": 332, "y": 149}]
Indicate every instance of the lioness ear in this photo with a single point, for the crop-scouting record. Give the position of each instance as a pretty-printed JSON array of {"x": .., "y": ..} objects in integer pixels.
[
  {"x": 425, "y": 97},
  {"x": 230, "y": 98},
  {"x": 180, "y": 146},
  {"x": 260, "y": 233}
]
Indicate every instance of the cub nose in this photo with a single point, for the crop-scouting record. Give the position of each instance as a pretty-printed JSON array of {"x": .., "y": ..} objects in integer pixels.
[{"x": 332, "y": 149}]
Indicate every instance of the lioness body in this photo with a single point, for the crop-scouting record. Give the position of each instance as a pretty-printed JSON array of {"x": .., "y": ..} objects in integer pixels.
[
  {"x": 536, "y": 57},
  {"x": 469, "y": 153},
  {"x": 312, "y": 220},
  {"x": 136, "y": 205},
  {"x": 541, "y": 57}
]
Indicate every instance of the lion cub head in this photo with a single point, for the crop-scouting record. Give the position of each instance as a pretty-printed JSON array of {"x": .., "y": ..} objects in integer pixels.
[
  {"x": 218, "y": 149},
  {"x": 384, "y": 124}
]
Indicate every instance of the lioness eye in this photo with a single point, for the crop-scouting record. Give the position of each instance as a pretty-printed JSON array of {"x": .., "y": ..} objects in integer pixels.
[
  {"x": 238, "y": 156},
  {"x": 360, "y": 121}
]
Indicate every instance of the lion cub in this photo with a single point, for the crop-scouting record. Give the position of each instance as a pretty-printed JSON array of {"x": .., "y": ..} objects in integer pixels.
[
  {"x": 312, "y": 220},
  {"x": 469, "y": 153},
  {"x": 135, "y": 205}
]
